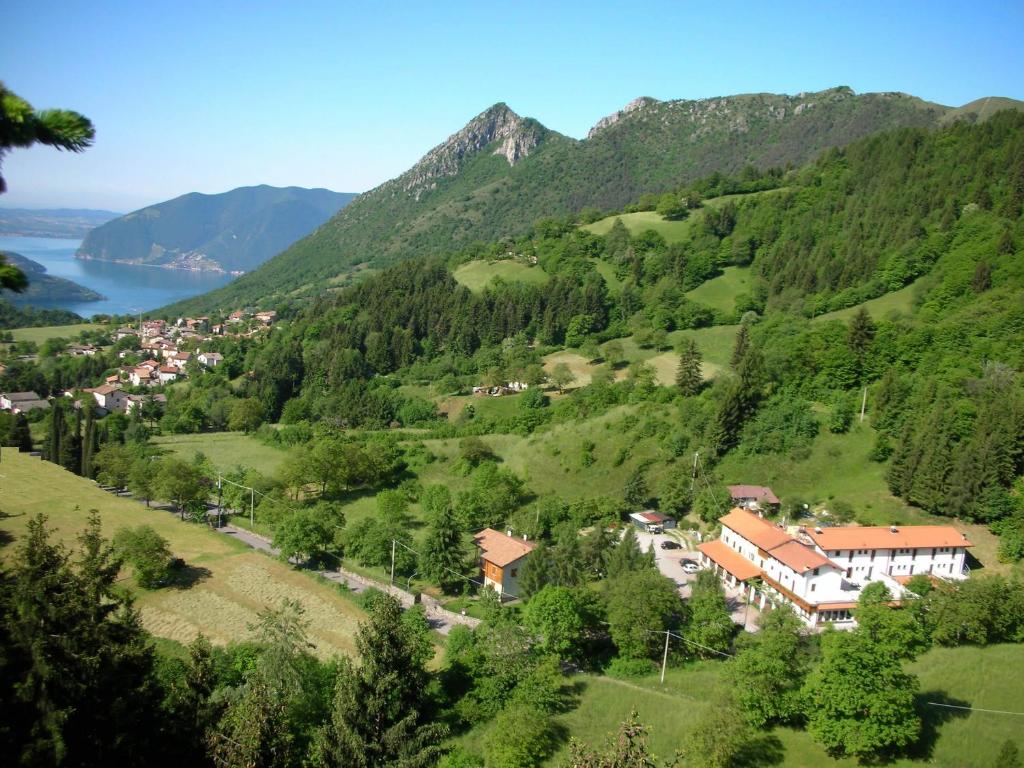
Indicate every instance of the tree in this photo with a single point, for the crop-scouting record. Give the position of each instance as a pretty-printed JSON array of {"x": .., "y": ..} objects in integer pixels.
[
  {"x": 860, "y": 701},
  {"x": 521, "y": 736},
  {"x": 899, "y": 631},
  {"x": 627, "y": 556},
  {"x": 860, "y": 334},
  {"x": 148, "y": 552},
  {"x": 710, "y": 623},
  {"x": 688, "y": 374},
  {"x": 613, "y": 352},
  {"x": 442, "y": 559},
  {"x": 636, "y": 493},
  {"x": 179, "y": 483},
  {"x": 555, "y": 615},
  {"x": 114, "y": 465},
  {"x": 718, "y": 738},
  {"x": 562, "y": 377},
  {"x": 21, "y": 435},
  {"x": 89, "y": 442},
  {"x": 377, "y": 716},
  {"x": 768, "y": 674},
  {"x": 141, "y": 478},
  {"x": 306, "y": 535},
  {"x": 77, "y": 681},
  {"x": 246, "y": 415},
  {"x": 1009, "y": 755},
  {"x": 640, "y": 605},
  {"x": 627, "y": 749},
  {"x": 21, "y": 126},
  {"x": 739, "y": 349}
]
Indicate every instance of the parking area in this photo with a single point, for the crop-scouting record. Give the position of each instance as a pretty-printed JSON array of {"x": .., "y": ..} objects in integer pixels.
[{"x": 671, "y": 561}]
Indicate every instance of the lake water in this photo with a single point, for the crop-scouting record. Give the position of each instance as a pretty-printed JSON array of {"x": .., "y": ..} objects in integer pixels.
[{"x": 129, "y": 288}]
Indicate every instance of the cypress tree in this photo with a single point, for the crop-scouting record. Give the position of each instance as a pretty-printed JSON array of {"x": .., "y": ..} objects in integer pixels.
[
  {"x": 51, "y": 450},
  {"x": 21, "y": 435},
  {"x": 71, "y": 444},
  {"x": 688, "y": 376},
  {"x": 89, "y": 442},
  {"x": 739, "y": 349}
]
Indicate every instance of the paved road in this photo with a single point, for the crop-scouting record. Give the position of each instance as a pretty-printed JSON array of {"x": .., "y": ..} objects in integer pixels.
[
  {"x": 670, "y": 563},
  {"x": 440, "y": 618}
]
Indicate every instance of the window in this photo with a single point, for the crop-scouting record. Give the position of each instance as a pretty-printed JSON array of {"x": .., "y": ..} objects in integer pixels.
[
  {"x": 816, "y": 571},
  {"x": 872, "y": 555},
  {"x": 514, "y": 572},
  {"x": 813, "y": 586}
]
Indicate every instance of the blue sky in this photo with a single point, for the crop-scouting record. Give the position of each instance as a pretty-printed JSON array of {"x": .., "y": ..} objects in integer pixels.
[{"x": 214, "y": 95}]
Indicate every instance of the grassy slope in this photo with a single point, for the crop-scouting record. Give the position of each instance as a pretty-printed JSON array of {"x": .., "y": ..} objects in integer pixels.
[
  {"x": 672, "y": 231},
  {"x": 42, "y": 333},
  {"x": 900, "y": 301},
  {"x": 720, "y": 292},
  {"x": 989, "y": 678},
  {"x": 222, "y": 604},
  {"x": 475, "y": 275},
  {"x": 226, "y": 450}
]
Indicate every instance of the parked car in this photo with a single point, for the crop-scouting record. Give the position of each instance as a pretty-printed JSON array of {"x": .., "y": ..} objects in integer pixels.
[
  {"x": 669, "y": 544},
  {"x": 690, "y": 567}
]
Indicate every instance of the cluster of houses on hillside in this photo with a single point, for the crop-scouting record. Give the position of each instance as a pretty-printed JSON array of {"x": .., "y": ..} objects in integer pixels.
[{"x": 818, "y": 572}]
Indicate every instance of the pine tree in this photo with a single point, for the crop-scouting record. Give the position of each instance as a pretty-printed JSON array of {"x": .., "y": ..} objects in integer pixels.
[
  {"x": 51, "y": 450},
  {"x": 636, "y": 492},
  {"x": 688, "y": 374},
  {"x": 71, "y": 444},
  {"x": 626, "y": 556},
  {"x": 377, "y": 718},
  {"x": 442, "y": 558},
  {"x": 859, "y": 337},
  {"x": 739, "y": 349}
]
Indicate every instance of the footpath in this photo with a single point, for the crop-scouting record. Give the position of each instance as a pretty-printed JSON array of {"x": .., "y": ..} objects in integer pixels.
[{"x": 440, "y": 618}]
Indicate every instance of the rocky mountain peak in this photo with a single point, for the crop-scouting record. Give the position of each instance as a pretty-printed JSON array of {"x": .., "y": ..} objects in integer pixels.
[
  {"x": 636, "y": 104},
  {"x": 518, "y": 136}
]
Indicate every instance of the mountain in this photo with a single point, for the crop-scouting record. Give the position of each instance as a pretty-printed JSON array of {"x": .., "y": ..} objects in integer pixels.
[
  {"x": 234, "y": 231},
  {"x": 502, "y": 172},
  {"x": 70, "y": 223},
  {"x": 44, "y": 288}
]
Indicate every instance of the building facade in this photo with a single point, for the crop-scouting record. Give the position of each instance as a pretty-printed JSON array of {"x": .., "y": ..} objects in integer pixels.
[{"x": 501, "y": 560}]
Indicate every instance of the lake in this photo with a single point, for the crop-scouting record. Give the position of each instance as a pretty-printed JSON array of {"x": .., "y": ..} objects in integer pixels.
[{"x": 129, "y": 288}]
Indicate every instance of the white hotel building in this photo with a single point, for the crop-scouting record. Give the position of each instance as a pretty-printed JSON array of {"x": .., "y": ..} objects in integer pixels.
[{"x": 820, "y": 572}]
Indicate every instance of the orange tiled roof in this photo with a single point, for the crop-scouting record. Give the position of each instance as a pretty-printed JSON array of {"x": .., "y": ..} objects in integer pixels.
[
  {"x": 882, "y": 537},
  {"x": 755, "y": 530},
  {"x": 501, "y": 549},
  {"x": 800, "y": 557},
  {"x": 732, "y": 561}
]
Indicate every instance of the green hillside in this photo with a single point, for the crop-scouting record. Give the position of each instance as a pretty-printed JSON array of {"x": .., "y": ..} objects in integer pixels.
[
  {"x": 502, "y": 172},
  {"x": 43, "y": 287},
  {"x": 232, "y": 231},
  {"x": 476, "y": 275}
]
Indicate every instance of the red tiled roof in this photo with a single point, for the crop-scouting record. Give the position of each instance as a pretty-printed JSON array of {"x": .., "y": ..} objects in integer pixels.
[
  {"x": 882, "y": 537},
  {"x": 800, "y": 557},
  {"x": 729, "y": 559},
  {"x": 757, "y": 492},
  {"x": 501, "y": 549},
  {"x": 754, "y": 529}
]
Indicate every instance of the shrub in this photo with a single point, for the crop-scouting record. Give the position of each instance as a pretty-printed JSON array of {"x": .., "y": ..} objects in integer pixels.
[{"x": 149, "y": 554}]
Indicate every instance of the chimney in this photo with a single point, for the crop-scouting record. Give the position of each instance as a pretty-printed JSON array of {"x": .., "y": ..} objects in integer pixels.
[
  {"x": 524, "y": 537},
  {"x": 893, "y": 529},
  {"x": 817, "y": 529},
  {"x": 509, "y": 533}
]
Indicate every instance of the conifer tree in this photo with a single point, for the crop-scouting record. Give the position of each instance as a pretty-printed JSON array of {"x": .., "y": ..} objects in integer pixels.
[
  {"x": 377, "y": 719},
  {"x": 688, "y": 374},
  {"x": 442, "y": 558},
  {"x": 89, "y": 442},
  {"x": 739, "y": 349},
  {"x": 71, "y": 444},
  {"x": 21, "y": 435},
  {"x": 627, "y": 555},
  {"x": 52, "y": 448}
]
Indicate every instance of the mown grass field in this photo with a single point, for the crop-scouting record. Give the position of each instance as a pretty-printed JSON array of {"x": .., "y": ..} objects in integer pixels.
[
  {"x": 720, "y": 292},
  {"x": 232, "y": 582},
  {"x": 42, "y": 333},
  {"x": 900, "y": 301},
  {"x": 226, "y": 450},
  {"x": 988, "y": 678},
  {"x": 475, "y": 275},
  {"x": 672, "y": 231}
]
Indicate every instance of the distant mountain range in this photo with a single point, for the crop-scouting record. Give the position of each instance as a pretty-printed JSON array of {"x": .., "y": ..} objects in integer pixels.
[
  {"x": 70, "y": 223},
  {"x": 502, "y": 172},
  {"x": 44, "y": 288},
  {"x": 234, "y": 231}
]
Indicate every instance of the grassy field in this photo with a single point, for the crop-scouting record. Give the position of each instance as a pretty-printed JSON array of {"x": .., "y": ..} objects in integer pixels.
[
  {"x": 720, "y": 292},
  {"x": 672, "y": 231},
  {"x": 226, "y": 450},
  {"x": 987, "y": 678},
  {"x": 42, "y": 333},
  {"x": 232, "y": 582},
  {"x": 900, "y": 302},
  {"x": 475, "y": 275}
]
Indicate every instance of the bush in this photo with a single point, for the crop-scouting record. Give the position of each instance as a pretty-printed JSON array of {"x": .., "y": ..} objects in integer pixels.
[
  {"x": 148, "y": 553},
  {"x": 626, "y": 669}
]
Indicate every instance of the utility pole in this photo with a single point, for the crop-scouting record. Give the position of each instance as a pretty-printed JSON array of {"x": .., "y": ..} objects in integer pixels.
[
  {"x": 664, "y": 658},
  {"x": 252, "y": 507},
  {"x": 393, "y": 543},
  {"x": 863, "y": 404},
  {"x": 693, "y": 476}
]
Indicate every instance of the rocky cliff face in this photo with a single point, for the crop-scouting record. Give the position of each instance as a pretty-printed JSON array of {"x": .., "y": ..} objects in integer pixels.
[{"x": 517, "y": 136}]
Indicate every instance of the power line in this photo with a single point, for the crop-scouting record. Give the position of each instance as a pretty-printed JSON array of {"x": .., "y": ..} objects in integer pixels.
[{"x": 974, "y": 709}]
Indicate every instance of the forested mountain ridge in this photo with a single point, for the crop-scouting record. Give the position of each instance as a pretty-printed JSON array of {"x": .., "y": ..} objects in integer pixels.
[
  {"x": 43, "y": 287},
  {"x": 648, "y": 148},
  {"x": 234, "y": 231}
]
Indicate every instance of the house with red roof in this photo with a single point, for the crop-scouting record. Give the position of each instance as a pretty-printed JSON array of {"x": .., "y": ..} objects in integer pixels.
[
  {"x": 820, "y": 573},
  {"x": 753, "y": 497},
  {"x": 501, "y": 560}
]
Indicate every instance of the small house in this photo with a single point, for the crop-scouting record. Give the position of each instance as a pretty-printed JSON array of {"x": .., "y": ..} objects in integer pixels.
[
  {"x": 167, "y": 374},
  {"x": 210, "y": 359},
  {"x": 110, "y": 397},
  {"x": 501, "y": 560},
  {"x": 754, "y": 497},
  {"x": 650, "y": 521},
  {"x": 22, "y": 402}
]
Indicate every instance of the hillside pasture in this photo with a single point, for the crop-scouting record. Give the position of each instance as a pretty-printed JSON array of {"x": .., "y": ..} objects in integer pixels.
[
  {"x": 672, "y": 231},
  {"x": 231, "y": 583},
  {"x": 900, "y": 302},
  {"x": 226, "y": 450},
  {"x": 720, "y": 292},
  {"x": 44, "y": 332},
  {"x": 477, "y": 275}
]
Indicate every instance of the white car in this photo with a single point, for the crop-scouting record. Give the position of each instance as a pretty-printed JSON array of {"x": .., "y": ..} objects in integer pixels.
[{"x": 690, "y": 567}]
